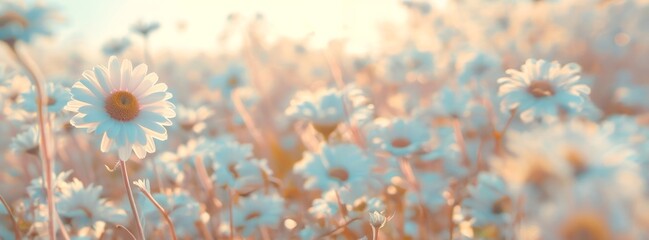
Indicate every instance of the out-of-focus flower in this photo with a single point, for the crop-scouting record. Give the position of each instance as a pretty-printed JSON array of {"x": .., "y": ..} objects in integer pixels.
[
  {"x": 256, "y": 211},
  {"x": 552, "y": 160},
  {"x": 400, "y": 137},
  {"x": 449, "y": 103},
  {"x": 84, "y": 207},
  {"x": 60, "y": 185},
  {"x": 23, "y": 24},
  {"x": 477, "y": 66},
  {"x": 542, "y": 89},
  {"x": 410, "y": 62},
  {"x": 489, "y": 203},
  {"x": 145, "y": 28},
  {"x": 57, "y": 97},
  {"x": 335, "y": 166},
  {"x": 116, "y": 46},
  {"x": 124, "y": 105},
  {"x": 226, "y": 158},
  {"x": 192, "y": 119},
  {"x": 26, "y": 142},
  {"x": 235, "y": 76},
  {"x": 326, "y": 108}
]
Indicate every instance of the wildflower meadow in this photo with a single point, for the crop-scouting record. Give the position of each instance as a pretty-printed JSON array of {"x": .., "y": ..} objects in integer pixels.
[{"x": 402, "y": 119}]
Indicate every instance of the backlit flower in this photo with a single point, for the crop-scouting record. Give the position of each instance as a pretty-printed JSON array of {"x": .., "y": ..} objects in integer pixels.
[
  {"x": 57, "y": 97},
  {"x": 542, "y": 89},
  {"x": 126, "y": 106}
]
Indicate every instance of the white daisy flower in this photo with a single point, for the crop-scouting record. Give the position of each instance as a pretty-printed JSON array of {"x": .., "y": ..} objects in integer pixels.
[
  {"x": 125, "y": 105},
  {"x": 26, "y": 142},
  {"x": 541, "y": 89},
  {"x": 57, "y": 98}
]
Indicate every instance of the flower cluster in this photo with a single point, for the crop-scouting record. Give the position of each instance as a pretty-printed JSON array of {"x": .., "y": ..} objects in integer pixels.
[{"x": 470, "y": 120}]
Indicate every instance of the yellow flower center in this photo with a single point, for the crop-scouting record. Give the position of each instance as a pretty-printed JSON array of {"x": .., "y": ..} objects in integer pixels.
[
  {"x": 122, "y": 106},
  {"x": 541, "y": 89}
]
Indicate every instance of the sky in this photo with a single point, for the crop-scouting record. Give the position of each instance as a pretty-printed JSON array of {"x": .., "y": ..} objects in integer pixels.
[{"x": 89, "y": 24}]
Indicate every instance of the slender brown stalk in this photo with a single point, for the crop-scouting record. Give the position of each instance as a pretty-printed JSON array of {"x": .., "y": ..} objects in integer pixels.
[
  {"x": 343, "y": 226},
  {"x": 230, "y": 203},
  {"x": 164, "y": 213},
  {"x": 13, "y": 218},
  {"x": 249, "y": 122},
  {"x": 457, "y": 129},
  {"x": 203, "y": 230},
  {"x": 131, "y": 199},
  {"x": 126, "y": 230},
  {"x": 43, "y": 123}
]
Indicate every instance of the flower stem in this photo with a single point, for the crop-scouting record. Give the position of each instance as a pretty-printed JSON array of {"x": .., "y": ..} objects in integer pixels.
[
  {"x": 164, "y": 213},
  {"x": 230, "y": 203},
  {"x": 131, "y": 199},
  {"x": 43, "y": 124},
  {"x": 13, "y": 218},
  {"x": 375, "y": 233}
]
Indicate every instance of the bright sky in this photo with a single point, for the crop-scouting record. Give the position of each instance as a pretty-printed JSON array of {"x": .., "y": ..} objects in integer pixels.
[{"x": 90, "y": 24}]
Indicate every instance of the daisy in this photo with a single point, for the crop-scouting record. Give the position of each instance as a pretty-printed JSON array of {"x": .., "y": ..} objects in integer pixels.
[
  {"x": 411, "y": 62},
  {"x": 126, "y": 106},
  {"x": 256, "y": 211},
  {"x": 57, "y": 98},
  {"x": 26, "y": 142},
  {"x": 335, "y": 166},
  {"x": 400, "y": 137},
  {"x": 115, "y": 46},
  {"x": 490, "y": 202},
  {"x": 193, "y": 119},
  {"x": 145, "y": 28},
  {"x": 326, "y": 108},
  {"x": 84, "y": 207},
  {"x": 542, "y": 89},
  {"x": 227, "y": 158},
  {"x": 477, "y": 65},
  {"x": 235, "y": 76},
  {"x": 20, "y": 23}
]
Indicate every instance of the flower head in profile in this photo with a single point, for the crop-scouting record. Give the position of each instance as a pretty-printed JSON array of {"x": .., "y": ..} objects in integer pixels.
[
  {"x": 57, "y": 97},
  {"x": 125, "y": 105},
  {"x": 145, "y": 28},
  {"x": 326, "y": 108},
  {"x": 115, "y": 46},
  {"x": 20, "y": 23},
  {"x": 26, "y": 142},
  {"x": 542, "y": 89}
]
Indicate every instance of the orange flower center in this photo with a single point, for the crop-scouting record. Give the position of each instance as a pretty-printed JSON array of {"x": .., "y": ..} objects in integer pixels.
[
  {"x": 339, "y": 173},
  {"x": 51, "y": 101},
  {"x": 541, "y": 89},
  {"x": 400, "y": 142},
  {"x": 122, "y": 106}
]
